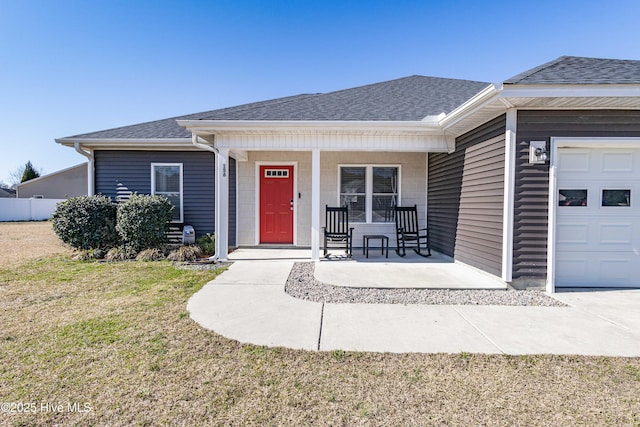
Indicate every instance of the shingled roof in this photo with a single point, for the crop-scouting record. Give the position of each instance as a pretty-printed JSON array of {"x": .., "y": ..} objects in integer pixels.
[
  {"x": 406, "y": 99},
  {"x": 579, "y": 70}
]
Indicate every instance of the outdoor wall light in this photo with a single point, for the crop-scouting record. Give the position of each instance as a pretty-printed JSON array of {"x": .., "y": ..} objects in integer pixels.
[{"x": 538, "y": 152}]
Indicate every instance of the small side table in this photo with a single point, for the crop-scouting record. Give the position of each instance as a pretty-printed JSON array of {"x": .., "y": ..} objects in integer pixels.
[{"x": 384, "y": 243}]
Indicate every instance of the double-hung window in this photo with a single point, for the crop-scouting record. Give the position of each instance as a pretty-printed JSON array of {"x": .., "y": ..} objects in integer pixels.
[
  {"x": 166, "y": 180},
  {"x": 369, "y": 191}
]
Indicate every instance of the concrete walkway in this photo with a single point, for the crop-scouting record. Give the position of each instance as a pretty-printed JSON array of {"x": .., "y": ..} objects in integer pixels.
[{"x": 248, "y": 303}]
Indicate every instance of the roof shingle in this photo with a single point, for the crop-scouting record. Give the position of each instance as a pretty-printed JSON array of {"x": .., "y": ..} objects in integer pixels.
[
  {"x": 579, "y": 70},
  {"x": 406, "y": 99}
]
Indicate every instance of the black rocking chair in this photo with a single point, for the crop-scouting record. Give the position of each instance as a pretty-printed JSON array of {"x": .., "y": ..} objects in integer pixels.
[
  {"x": 409, "y": 234},
  {"x": 336, "y": 230}
]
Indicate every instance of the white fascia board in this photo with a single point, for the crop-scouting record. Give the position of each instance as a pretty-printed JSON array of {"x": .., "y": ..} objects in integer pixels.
[
  {"x": 483, "y": 98},
  {"x": 130, "y": 144},
  {"x": 309, "y": 126},
  {"x": 435, "y": 118},
  {"x": 570, "y": 91}
]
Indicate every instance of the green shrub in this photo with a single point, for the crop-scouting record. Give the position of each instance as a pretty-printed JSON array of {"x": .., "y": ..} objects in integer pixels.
[
  {"x": 86, "y": 222},
  {"x": 207, "y": 243},
  {"x": 143, "y": 221}
]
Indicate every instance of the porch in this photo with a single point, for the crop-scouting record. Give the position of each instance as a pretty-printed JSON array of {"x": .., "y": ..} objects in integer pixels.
[{"x": 411, "y": 272}]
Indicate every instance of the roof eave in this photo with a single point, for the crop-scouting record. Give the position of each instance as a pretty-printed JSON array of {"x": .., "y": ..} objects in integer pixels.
[
  {"x": 220, "y": 127},
  {"x": 497, "y": 98},
  {"x": 129, "y": 143},
  {"x": 570, "y": 90},
  {"x": 487, "y": 97}
]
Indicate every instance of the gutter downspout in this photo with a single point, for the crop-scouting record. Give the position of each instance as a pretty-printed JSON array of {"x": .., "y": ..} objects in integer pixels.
[
  {"x": 214, "y": 150},
  {"x": 91, "y": 184}
]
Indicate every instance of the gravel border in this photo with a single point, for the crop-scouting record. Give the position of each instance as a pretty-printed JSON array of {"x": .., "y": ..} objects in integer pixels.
[{"x": 303, "y": 284}]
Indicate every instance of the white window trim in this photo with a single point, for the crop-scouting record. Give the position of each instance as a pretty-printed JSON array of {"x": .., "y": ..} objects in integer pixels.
[
  {"x": 369, "y": 187},
  {"x": 153, "y": 186}
]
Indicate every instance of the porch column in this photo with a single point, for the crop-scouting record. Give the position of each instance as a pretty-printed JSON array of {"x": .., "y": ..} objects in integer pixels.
[
  {"x": 222, "y": 203},
  {"x": 315, "y": 205}
]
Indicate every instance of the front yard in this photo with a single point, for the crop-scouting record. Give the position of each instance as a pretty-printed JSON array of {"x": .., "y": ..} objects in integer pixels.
[{"x": 87, "y": 343}]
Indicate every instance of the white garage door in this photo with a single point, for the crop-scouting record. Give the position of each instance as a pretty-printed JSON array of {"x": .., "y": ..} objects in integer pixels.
[{"x": 598, "y": 217}]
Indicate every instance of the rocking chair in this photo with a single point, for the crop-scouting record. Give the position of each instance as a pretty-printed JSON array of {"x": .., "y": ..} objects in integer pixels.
[
  {"x": 409, "y": 234},
  {"x": 336, "y": 230}
]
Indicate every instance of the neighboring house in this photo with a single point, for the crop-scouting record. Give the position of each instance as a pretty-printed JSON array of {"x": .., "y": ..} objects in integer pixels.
[
  {"x": 535, "y": 180},
  {"x": 62, "y": 184},
  {"x": 7, "y": 192}
]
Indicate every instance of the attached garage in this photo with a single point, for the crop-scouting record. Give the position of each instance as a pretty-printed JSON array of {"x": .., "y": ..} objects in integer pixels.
[{"x": 597, "y": 212}]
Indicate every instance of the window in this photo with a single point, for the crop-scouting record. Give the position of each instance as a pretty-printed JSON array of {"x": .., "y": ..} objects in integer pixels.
[
  {"x": 370, "y": 192},
  {"x": 572, "y": 198},
  {"x": 276, "y": 173},
  {"x": 166, "y": 180},
  {"x": 616, "y": 197}
]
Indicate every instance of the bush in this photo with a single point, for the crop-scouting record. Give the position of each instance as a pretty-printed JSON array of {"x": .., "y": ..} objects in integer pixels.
[
  {"x": 143, "y": 221},
  {"x": 207, "y": 243},
  {"x": 185, "y": 253},
  {"x": 86, "y": 222}
]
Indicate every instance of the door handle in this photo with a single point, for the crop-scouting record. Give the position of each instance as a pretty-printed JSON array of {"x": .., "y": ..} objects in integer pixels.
[{"x": 291, "y": 204}]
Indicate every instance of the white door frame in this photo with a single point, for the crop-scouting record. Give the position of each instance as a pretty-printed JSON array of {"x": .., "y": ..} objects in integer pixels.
[
  {"x": 295, "y": 198},
  {"x": 570, "y": 142}
]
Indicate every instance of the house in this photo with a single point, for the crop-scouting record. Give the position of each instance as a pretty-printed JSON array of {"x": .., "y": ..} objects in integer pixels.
[
  {"x": 62, "y": 184},
  {"x": 7, "y": 192},
  {"x": 535, "y": 180}
]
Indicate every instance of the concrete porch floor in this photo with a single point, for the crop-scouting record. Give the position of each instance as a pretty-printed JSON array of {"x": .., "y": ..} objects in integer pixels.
[{"x": 411, "y": 271}]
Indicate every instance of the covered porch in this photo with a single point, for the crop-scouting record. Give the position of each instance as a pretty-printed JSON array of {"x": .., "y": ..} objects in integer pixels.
[{"x": 369, "y": 166}]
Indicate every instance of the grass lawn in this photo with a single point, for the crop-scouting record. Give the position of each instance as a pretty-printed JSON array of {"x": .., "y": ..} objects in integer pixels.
[{"x": 114, "y": 340}]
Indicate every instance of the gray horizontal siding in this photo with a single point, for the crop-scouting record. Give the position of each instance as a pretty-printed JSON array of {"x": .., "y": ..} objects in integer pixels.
[
  {"x": 465, "y": 198},
  {"x": 133, "y": 169},
  {"x": 532, "y": 181}
]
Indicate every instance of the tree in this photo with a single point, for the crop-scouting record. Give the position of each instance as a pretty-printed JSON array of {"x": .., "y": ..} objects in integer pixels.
[
  {"x": 23, "y": 173},
  {"x": 29, "y": 172}
]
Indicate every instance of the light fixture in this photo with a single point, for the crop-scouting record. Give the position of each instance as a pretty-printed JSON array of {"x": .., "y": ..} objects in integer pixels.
[{"x": 538, "y": 152}]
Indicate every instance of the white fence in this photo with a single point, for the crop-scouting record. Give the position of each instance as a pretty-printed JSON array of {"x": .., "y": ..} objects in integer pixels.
[{"x": 27, "y": 209}]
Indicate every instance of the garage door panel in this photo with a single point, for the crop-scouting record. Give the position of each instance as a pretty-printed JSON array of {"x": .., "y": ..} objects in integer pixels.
[
  {"x": 617, "y": 163},
  {"x": 575, "y": 161},
  {"x": 573, "y": 234},
  {"x": 570, "y": 270},
  {"x": 593, "y": 234},
  {"x": 598, "y": 269},
  {"x": 598, "y": 235},
  {"x": 617, "y": 234}
]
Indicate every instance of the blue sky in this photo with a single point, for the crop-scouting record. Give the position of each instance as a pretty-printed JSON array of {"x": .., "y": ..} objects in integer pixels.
[{"x": 69, "y": 67}]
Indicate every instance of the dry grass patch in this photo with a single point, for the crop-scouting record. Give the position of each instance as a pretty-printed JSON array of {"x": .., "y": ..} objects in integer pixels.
[
  {"x": 117, "y": 336},
  {"x": 23, "y": 241}
]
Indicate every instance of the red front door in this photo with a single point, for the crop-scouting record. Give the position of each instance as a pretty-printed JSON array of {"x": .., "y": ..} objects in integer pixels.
[{"x": 276, "y": 204}]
